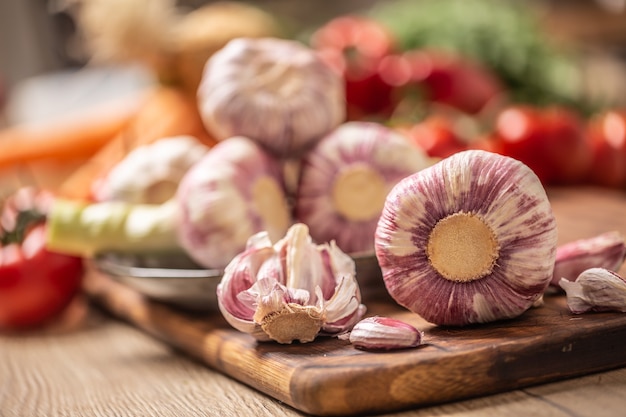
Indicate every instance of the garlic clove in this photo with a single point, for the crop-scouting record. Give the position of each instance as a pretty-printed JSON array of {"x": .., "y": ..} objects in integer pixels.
[
  {"x": 345, "y": 179},
  {"x": 595, "y": 289},
  {"x": 384, "y": 333},
  {"x": 471, "y": 239},
  {"x": 232, "y": 193},
  {"x": 606, "y": 250},
  {"x": 293, "y": 290},
  {"x": 274, "y": 91}
]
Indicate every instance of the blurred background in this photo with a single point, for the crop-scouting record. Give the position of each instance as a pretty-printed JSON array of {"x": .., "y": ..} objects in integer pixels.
[
  {"x": 38, "y": 36},
  {"x": 43, "y": 37}
]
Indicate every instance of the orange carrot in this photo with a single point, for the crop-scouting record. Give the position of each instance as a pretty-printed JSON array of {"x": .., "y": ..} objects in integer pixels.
[
  {"x": 167, "y": 112},
  {"x": 74, "y": 137}
]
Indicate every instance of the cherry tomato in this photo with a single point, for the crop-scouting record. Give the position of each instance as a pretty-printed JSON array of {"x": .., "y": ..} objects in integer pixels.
[
  {"x": 551, "y": 141},
  {"x": 437, "y": 136},
  {"x": 35, "y": 284},
  {"x": 607, "y": 140},
  {"x": 355, "y": 46},
  {"x": 454, "y": 80}
]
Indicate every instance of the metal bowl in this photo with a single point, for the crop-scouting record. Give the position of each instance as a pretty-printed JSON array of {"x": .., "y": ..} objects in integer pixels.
[{"x": 175, "y": 279}]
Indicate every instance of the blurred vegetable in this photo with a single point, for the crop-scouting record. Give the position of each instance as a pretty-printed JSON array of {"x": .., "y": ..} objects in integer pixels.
[
  {"x": 551, "y": 141},
  {"x": 165, "y": 36},
  {"x": 85, "y": 229},
  {"x": 437, "y": 135},
  {"x": 167, "y": 112},
  {"x": 503, "y": 35},
  {"x": 357, "y": 47},
  {"x": 453, "y": 79},
  {"x": 150, "y": 173},
  {"x": 36, "y": 284},
  {"x": 607, "y": 139}
]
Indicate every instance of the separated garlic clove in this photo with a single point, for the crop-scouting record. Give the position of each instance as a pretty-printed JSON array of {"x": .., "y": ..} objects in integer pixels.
[
  {"x": 606, "y": 250},
  {"x": 150, "y": 174},
  {"x": 471, "y": 239},
  {"x": 384, "y": 333},
  {"x": 595, "y": 289},
  {"x": 232, "y": 193},
  {"x": 276, "y": 92},
  {"x": 345, "y": 179},
  {"x": 292, "y": 290}
]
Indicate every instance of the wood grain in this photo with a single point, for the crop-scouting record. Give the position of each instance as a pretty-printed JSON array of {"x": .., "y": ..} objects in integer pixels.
[{"x": 330, "y": 377}]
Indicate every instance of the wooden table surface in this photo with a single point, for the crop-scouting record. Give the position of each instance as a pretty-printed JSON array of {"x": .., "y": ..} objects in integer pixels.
[{"x": 92, "y": 364}]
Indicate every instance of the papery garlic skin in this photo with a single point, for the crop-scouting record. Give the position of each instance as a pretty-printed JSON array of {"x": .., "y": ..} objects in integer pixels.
[
  {"x": 232, "y": 193},
  {"x": 345, "y": 179},
  {"x": 150, "y": 174},
  {"x": 471, "y": 239},
  {"x": 595, "y": 289},
  {"x": 606, "y": 250},
  {"x": 277, "y": 92},
  {"x": 384, "y": 333},
  {"x": 291, "y": 290}
]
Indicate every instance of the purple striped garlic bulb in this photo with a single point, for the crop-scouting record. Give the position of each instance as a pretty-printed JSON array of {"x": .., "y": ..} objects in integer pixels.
[
  {"x": 345, "y": 179},
  {"x": 274, "y": 91},
  {"x": 292, "y": 290},
  {"x": 232, "y": 193},
  {"x": 471, "y": 239}
]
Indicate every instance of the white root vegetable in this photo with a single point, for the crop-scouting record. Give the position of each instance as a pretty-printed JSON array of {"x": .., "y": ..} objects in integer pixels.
[
  {"x": 345, "y": 179},
  {"x": 471, "y": 239},
  {"x": 276, "y": 92},
  {"x": 232, "y": 193},
  {"x": 150, "y": 174}
]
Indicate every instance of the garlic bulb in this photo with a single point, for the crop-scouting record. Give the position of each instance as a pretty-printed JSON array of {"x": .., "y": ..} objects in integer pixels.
[
  {"x": 345, "y": 179},
  {"x": 150, "y": 174},
  {"x": 595, "y": 289},
  {"x": 276, "y": 92},
  {"x": 606, "y": 250},
  {"x": 233, "y": 192},
  {"x": 384, "y": 333},
  {"x": 292, "y": 290},
  {"x": 471, "y": 239}
]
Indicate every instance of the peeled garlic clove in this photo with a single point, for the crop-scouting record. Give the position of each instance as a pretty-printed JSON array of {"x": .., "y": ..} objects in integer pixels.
[
  {"x": 150, "y": 174},
  {"x": 232, "y": 193},
  {"x": 384, "y": 333},
  {"x": 606, "y": 250},
  {"x": 291, "y": 290},
  {"x": 471, "y": 239},
  {"x": 345, "y": 179},
  {"x": 595, "y": 289},
  {"x": 277, "y": 92}
]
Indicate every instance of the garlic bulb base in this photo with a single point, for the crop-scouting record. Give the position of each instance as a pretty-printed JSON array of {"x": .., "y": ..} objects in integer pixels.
[
  {"x": 293, "y": 322},
  {"x": 462, "y": 247}
]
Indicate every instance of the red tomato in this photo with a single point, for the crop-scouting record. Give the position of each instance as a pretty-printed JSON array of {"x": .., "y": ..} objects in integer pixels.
[
  {"x": 437, "y": 136},
  {"x": 355, "y": 46},
  {"x": 550, "y": 141},
  {"x": 454, "y": 80},
  {"x": 35, "y": 284},
  {"x": 607, "y": 140}
]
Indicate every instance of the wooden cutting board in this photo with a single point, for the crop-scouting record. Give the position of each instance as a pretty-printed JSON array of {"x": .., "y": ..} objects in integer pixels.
[{"x": 330, "y": 377}]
